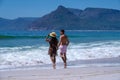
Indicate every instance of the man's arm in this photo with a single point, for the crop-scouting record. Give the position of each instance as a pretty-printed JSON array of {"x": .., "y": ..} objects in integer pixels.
[
  {"x": 67, "y": 41},
  {"x": 59, "y": 42}
]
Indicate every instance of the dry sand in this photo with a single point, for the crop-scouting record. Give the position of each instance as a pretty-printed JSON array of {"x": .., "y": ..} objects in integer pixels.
[{"x": 74, "y": 73}]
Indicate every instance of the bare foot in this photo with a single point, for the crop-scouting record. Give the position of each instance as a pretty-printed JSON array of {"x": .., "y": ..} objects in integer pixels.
[
  {"x": 65, "y": 65},
  {"x": 54, "y": 66}
]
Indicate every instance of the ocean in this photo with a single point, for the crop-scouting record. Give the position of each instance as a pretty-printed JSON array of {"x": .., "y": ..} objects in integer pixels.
[{"x": 28, "y": 48}]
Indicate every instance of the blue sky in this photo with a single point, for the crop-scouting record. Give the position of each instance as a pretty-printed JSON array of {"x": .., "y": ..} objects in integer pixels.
[{"x": 11, "y": 9}]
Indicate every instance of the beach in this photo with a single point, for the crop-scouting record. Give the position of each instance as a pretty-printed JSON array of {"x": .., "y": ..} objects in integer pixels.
[
  {"x": 87, "y": 73},
  {"x": 91, "y": 55},
  {"x": 95, "y": 69}
]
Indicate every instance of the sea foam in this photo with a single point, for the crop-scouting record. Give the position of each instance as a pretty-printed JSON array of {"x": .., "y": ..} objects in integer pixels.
[{"x": 38, "y": 55}]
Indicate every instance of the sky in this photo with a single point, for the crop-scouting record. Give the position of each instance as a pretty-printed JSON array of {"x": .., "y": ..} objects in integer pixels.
[{"x": 11, "y": 9}]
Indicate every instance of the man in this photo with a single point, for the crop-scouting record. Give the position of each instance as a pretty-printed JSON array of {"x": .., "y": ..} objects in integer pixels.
[
  {"x": 51, "y": 38},
  {"x": 63, "y": 43}
]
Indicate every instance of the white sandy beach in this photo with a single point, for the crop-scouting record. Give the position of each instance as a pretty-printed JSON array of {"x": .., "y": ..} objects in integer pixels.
[
  {"x": 95, "y": 69},
  {"x": 87, "y": 73}
]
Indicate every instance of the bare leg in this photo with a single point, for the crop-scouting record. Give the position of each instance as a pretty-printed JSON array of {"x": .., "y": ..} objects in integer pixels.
[
  {"x": 63, "y": 56},
  {"x": 54, "y": 64},
  {"x": 53, "y": 59},
  {"x": 65, "y": 63}
]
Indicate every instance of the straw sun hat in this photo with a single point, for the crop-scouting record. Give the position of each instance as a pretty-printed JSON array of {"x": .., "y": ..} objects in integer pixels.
[{"x": 53, "y": 34}]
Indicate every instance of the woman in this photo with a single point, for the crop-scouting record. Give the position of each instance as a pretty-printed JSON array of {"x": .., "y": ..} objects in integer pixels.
[{"x": 51, "y": 38}]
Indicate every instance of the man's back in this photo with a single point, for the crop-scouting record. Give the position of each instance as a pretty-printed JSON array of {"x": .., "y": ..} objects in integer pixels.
[{"x": 64, "y": 40}]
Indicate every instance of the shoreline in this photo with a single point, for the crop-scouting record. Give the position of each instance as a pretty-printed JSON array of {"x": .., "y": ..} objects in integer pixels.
[
  {"x": 102, "y": 62},
  {"x": 72, "y": 72}
]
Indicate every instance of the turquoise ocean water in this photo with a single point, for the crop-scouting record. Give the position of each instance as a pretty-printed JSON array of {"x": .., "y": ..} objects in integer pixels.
[{"x": 29, "y": 48}]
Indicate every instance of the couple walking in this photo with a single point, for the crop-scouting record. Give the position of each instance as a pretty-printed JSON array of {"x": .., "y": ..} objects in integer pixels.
[{"x": 55, "y": 44}]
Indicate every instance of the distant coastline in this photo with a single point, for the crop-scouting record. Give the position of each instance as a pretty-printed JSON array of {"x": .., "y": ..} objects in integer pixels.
[{"x": 68, "y": 19}]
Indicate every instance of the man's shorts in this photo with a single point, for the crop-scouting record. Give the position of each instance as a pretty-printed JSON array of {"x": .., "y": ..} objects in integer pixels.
[{"x": 63, "y": 49}]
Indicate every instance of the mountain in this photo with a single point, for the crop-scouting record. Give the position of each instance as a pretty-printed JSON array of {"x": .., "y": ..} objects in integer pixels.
[
  {"x": 21, "y": 23},
  {"x": 75, "y": 19},
  {"x": 60, "y": 18},
  {"x": 68, "y": 19},
  {"x": 76, "y": 12},
  {"x": 101, "y": 19}
]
